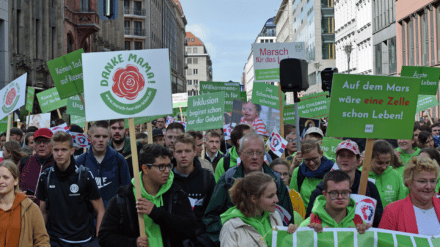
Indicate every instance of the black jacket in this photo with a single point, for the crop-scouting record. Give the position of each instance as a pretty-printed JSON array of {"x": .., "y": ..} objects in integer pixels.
[
  {"x": 371, "y": 192},
  {"x": 175, "y": 227},
  {"x": 216, "y": 159},
  {"x": 199, "y": 186}
]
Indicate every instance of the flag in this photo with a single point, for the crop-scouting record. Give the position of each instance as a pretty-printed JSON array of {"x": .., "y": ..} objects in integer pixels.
[
  {"x": 227, "y": 129},
  {"x": 276, "y": 143},
  {"x": 63, "y": 127},
  {"x": 170, "y": 119},
  {"x": 182, "y": 123},
  {"x": 80, "y": 140}
]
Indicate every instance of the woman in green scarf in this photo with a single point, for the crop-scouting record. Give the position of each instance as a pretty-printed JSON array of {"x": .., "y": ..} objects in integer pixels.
[{"x": 251, "y": 220}]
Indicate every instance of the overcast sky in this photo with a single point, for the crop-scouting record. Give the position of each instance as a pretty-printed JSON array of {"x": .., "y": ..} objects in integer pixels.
[{"x": 228, "y": 28}]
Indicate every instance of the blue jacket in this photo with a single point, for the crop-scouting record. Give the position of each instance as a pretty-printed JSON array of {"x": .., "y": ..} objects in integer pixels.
[{"x": 110, "y": 174}]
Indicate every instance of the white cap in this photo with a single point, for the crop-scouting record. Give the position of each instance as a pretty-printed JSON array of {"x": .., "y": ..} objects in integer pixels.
[{"x": 316, "y": 130}]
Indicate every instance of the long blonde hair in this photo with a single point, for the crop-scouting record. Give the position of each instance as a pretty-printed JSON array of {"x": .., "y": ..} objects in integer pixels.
[{"x": 13, "y": 169}]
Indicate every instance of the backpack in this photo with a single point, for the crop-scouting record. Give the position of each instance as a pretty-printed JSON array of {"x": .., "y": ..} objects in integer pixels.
[
  {"x": 315, "y": 219},
  {"x": 227, "y": 161},
  {"x": 82, "y": 184}
]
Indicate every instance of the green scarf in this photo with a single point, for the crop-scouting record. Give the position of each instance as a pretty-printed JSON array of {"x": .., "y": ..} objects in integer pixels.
[
  {"x": 152, "y": 229},
  {"x": 260, "y": 223}
]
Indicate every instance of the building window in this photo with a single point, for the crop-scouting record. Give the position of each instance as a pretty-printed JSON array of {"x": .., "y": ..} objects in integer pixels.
[
  {"x": 189, "y": 72},
  {"x": 425, "y": 41},
  {"x": 196, "y": 82},
  {"x": 127, "y": 45},
  {"x": 327, "y": 3},
  {"x": 137, "y": 45},
  {"x": 196, "y": 71},
  {"x": 189, "y": 60},
  {"x": 84, "y": 5},
  {"x": 189, "y": 93},
  {"x": 187, "y": 40},
  {"x": 137, "y": 7},
  {"x": 195, "y": 50},
  {"x": 126, "y": 4},
  {"x": 328, "y": 51},
  {"x": 431, "y": 20},
  {"x": 392, "y": 56},
  {"x": 328, "y": 25},
  {"x": 411, "y": 42},
  {"x": 195, "y": 60},
  {"x": 138, "y": 28},
  {"x": 378, "y": 58},
  {"x": 404, "y": 43},
  {"x": 437, "y": 22},
  {"x": 192, "y": 39},
  {"x": 69, "y": 43},
  {"x": 416, "y": 39},
  {"x": 189, "y": 82},
  {"x": 188, "y": 50}
]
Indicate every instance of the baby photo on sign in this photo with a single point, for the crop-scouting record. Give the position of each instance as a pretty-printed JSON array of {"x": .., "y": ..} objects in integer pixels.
[
  {"x": 306, "y": 123},
  {"x": 262, "y": 118},
  {"x": 39, "y": 120}
]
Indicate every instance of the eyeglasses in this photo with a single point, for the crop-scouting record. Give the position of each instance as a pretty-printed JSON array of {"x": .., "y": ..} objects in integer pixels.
[
  {"x": 290, "y": 140},
  {"x": 44, "y": 141},
  {"x": 252, "y": 153},
  {"x": 284, "y": 174},
  {"x": 162, "y": 167},
  {"x": 315, "y": 160},
  {"x": 425, "y": 182},
  {"x": 335, "y": 194}
]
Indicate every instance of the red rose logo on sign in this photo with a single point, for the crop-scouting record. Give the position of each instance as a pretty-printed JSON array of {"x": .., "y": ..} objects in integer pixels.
[
  {"x": 128, "y": 82},
  {"x": 10, "y": 97}
]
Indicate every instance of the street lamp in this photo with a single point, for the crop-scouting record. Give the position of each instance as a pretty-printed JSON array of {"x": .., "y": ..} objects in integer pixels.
[{"x": 348, "y": 49}]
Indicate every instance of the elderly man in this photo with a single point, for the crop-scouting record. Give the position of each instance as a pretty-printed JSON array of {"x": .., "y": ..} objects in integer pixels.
[{"x": 251, "y": 152}]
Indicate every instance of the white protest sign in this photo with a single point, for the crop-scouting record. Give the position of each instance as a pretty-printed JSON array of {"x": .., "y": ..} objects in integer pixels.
[
  {"x": 365, "y": 207},
  {"x": 126, "y": 84},
  {"x": 13, "y": 96}
]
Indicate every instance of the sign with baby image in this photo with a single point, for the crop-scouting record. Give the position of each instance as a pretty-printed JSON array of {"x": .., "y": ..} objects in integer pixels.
[{"x": 365, "y": 106}]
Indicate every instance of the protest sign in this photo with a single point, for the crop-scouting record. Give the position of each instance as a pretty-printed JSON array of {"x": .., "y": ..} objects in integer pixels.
[
  {"x": 429, "y": 78},
  {"x": 13, "y": 96},
  {"x": 63, "y": 127},
  {"x": 4, "y": 124},
  {"x": 364, "y": 106},
  {"x": 206, "y": 111},
  {"x": 125, "y": 84},
  {"x": 30, "y": 99},
  {"x": 141, "y": 120},
  {"x": 80, "y": 140},
  {"x": 425, "y": 102},
  {"x": 231, "y": 90},
  {"x": 179, "y": 97},
  {"x": 297, "y": 202},
  {"x": 67, "y": 74},
  {"x": 306, "y": 123},
  {"x": 276, "y": 143},
  {"x": 78, "y": 120},
  {"x": 314, "y": 105},
  {"x": 267, "y": 58},
  {"x": 266, "y": 94},
  {"x": 365, "y": 207},
  {"x": 39, "y": 120},
  {"x": 329, "y": 146},
  {"x": 243, "y": 96},
  {"x": 177, "y": 111},
  {"x": 50, "y": 100},
  {"x": 75, "y": 106},
  {"x": 262, "y": 118},
  {"x": 349, "y": 237},
  {"x": 289, "y": 114}
]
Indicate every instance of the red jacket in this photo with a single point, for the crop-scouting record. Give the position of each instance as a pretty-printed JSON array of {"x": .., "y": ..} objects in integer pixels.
[{"x": 400, "y": 215}]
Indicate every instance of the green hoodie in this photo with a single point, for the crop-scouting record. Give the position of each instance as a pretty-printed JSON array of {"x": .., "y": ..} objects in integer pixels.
[
  {"x": 390, "y": 185},
  {"x": 260, "y": 223},
  {"x": 220, "y": 170},
  {"x": 152, "y": 229},
  {"x": 326, "y": 220},
  {"x": 404, "y": 157}
]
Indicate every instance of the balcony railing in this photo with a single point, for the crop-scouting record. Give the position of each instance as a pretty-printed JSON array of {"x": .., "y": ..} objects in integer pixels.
[
  {"x": 135, "y": 11},
  {"x": 135, "y": 32},
  {"x": 82, "y": 17}
]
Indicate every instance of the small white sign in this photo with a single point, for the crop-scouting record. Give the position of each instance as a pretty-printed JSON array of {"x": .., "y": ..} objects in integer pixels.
[
  {"x": 13, "y": 96},
  {"x": 365, "y": 207},
  {"x": 180, "y": 97}
]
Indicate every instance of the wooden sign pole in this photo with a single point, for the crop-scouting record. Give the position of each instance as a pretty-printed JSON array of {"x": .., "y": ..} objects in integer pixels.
[
  {"x": 150, "y": 132},
  {"x": 280, "y": 97},
  {"x": 181, "y": 115},
  {"x": 430, "y": 119},
  {"x": 203, "y": 151},
  {"x": 8, "y": 130},
  {"x": 59, "y": 114},
  {"x": 137, "y": 178},
  {"x": 86, "y": 127},
  {"x": 366, "y": 167},
  {"x": 28, "y": 120}
]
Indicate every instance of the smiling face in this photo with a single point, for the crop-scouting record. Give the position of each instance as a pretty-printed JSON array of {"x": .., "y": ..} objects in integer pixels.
[
  {"x": 380, "y": 163},
  {"x": 422, "y": 187},
  {"x": 312, "y": 159},
  {"x": 7, "y": 181},
  {"x": 249, "y": 112},
  {"x": 405, "y": 145},
  {"x": 347, "y": 161},
  {"x": 268, "y": 200}
]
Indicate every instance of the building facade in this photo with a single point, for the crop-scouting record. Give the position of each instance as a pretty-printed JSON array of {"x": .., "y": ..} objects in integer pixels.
[
  {"x": 4, "y": 43},
  {"x": 198, "y": 64},
  {"x": 267, "y": 35},
  {"x": 418, "y": 36},
  {"x": 156, "y": 24},
  {"x": 384, "y": 37},
  {"x": 311, "y": 22}
]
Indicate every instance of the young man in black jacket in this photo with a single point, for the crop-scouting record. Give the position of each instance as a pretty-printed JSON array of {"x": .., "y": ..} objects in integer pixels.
[
  {"x": 196, "y": 181},
  {"x": 165, "y": 207}
]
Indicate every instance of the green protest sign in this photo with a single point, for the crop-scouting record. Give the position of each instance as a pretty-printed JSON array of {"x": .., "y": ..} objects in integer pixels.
[
  {"x": 206, "y": 111},
  {"x": 50, "y": 100},
  {"x": 329, "y": 146},
  {"x": 67, "y": 74},
  {"x": 231, "y": 90},
  {"x": 266, "y": 94},
  {"x": 364, "y": 106},
  {"x": 289, "y": 114},
  {"x": 141, "y": 120},
  {"x": 314, "y": 106},
  {"x": 425, "y": 102},
  {"x": 78, "y": 120},
  {"x": 243, "y": 96},
  {"x": 176, "y": 111},
  {"x": 429, "y": 75},
  {"x": 75, "y": 106},
  {"x": 30, "y": 99},
  {"x": 4, "y": 124}
]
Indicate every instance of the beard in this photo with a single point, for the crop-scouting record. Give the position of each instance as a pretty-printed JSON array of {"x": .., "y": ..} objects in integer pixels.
[{"x": 119, "y": 141}]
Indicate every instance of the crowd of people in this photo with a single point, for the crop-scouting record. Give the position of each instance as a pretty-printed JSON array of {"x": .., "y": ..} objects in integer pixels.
[{"x": 200, "y": 190}]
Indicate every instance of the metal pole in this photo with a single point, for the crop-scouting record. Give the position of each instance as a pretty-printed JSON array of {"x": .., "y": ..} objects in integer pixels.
[{"x": 298, "y": 137}]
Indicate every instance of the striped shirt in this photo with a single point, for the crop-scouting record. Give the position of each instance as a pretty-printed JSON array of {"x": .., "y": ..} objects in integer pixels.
[{"x": 258, "y": 125}]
